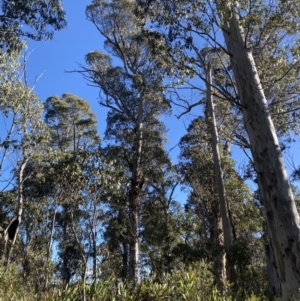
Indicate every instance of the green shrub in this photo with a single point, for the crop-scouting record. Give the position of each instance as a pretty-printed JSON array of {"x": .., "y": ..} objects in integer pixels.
[
  {"x": 13, "y": 287},
  {"x": 189, "y": 284}
]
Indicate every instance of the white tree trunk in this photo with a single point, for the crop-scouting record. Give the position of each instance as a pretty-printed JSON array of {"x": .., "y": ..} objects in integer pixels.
[
  {"x": 226, "y": 225},
  {"x": 280, "y": 210},
  {"x": 20, "y": 206}
]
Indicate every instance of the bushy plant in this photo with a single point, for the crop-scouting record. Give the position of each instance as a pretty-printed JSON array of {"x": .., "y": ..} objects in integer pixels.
[
  {"x": 13, "y": 287},
  {"x": 187, "y": 284}
]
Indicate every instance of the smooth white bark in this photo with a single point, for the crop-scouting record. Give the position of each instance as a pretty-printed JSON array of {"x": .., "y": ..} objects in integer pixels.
[
  {"x": 226, "y": 225},
  {"x": 275, "y": 191}
]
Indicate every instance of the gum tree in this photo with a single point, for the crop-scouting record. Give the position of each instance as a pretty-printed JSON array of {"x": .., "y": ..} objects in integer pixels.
[
  {"x": 133, "y": 91},
  {"x": 73, "y": 143},
  {"x": 24, "y": 135},
  {"x": 247, "y": 27}
]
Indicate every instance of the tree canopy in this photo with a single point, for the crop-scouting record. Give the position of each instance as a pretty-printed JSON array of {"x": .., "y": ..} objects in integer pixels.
[{"x": 33, "y": 19}]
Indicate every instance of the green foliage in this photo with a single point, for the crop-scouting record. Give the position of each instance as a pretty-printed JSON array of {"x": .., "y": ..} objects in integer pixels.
[
  {"x": 21, "y": 111},
  {"x": 13, "y": 287},
  {"x": 190, "y": 284},
  {"x": 33, "y": 19}
]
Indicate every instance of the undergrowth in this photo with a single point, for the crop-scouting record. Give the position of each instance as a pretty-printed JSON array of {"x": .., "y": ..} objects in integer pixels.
[{"x": 193, "y": 284}]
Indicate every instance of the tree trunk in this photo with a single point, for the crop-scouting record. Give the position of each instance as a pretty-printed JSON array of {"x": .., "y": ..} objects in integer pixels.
[
  {"x": 66, "y": 274},
  {"x": 275, "y": 191},
  {"x": 133, "y": 240},
  {"x": 94, "y": 254},
  {"x": 217, "y": 238},
  {"x": 84, "y": 257},
  {"x": 48, "y": 251},
  {"x": 20, "y": 208},
  {"x": 94, "y": 228},
  {"x": 124, "y": 272},
  {"x": 94, "y": 246},
  {"x": 274, "y": 283},
  {"x": 136, "y": 187},
  {"x": 226, "y": 225}
]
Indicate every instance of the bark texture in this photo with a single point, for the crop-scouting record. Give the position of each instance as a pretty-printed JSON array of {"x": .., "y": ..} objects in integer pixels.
[
  {"x": 280, "y": 211},
  {"x": 271, "y": 270}
]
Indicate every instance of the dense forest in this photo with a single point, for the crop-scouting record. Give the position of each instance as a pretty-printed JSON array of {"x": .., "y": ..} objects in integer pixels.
[{"x": 84, "y": 217}]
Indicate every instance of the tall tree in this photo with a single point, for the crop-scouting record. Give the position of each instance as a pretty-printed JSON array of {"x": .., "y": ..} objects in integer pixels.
[
  {"x": 24, "y": 137},
  {"x": 196, "y": 167},
  {"x": 134, "y": 93},
  {"x": 245, "y": 26},
  {"x": 73, "y": 142},
  {"x": 280, "y": 209},
  {"x": 209, "y": 64}
]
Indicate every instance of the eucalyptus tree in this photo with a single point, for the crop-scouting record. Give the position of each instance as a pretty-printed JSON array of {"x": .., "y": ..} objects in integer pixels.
[
  {"x": 209, "y": 62},
  {"x": 53, "y": 204},
  {"x": 248, "y": 26},
  {"x": 197, "y": 171},
  {"x": 115, "y": 247},
  {"x": 73, "y": 142},
  {"x": 33, "y": 19},
  {"x": 24, "y": 134},
  {"x": 12, "y": 88},
  {"x": 196, "y": 167},
  {"x": 134, "y": 93},
  {"x": 120, "y": 131}
]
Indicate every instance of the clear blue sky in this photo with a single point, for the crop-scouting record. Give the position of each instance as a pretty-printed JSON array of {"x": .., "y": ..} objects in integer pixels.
[{"x": 66, "y": 50}]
